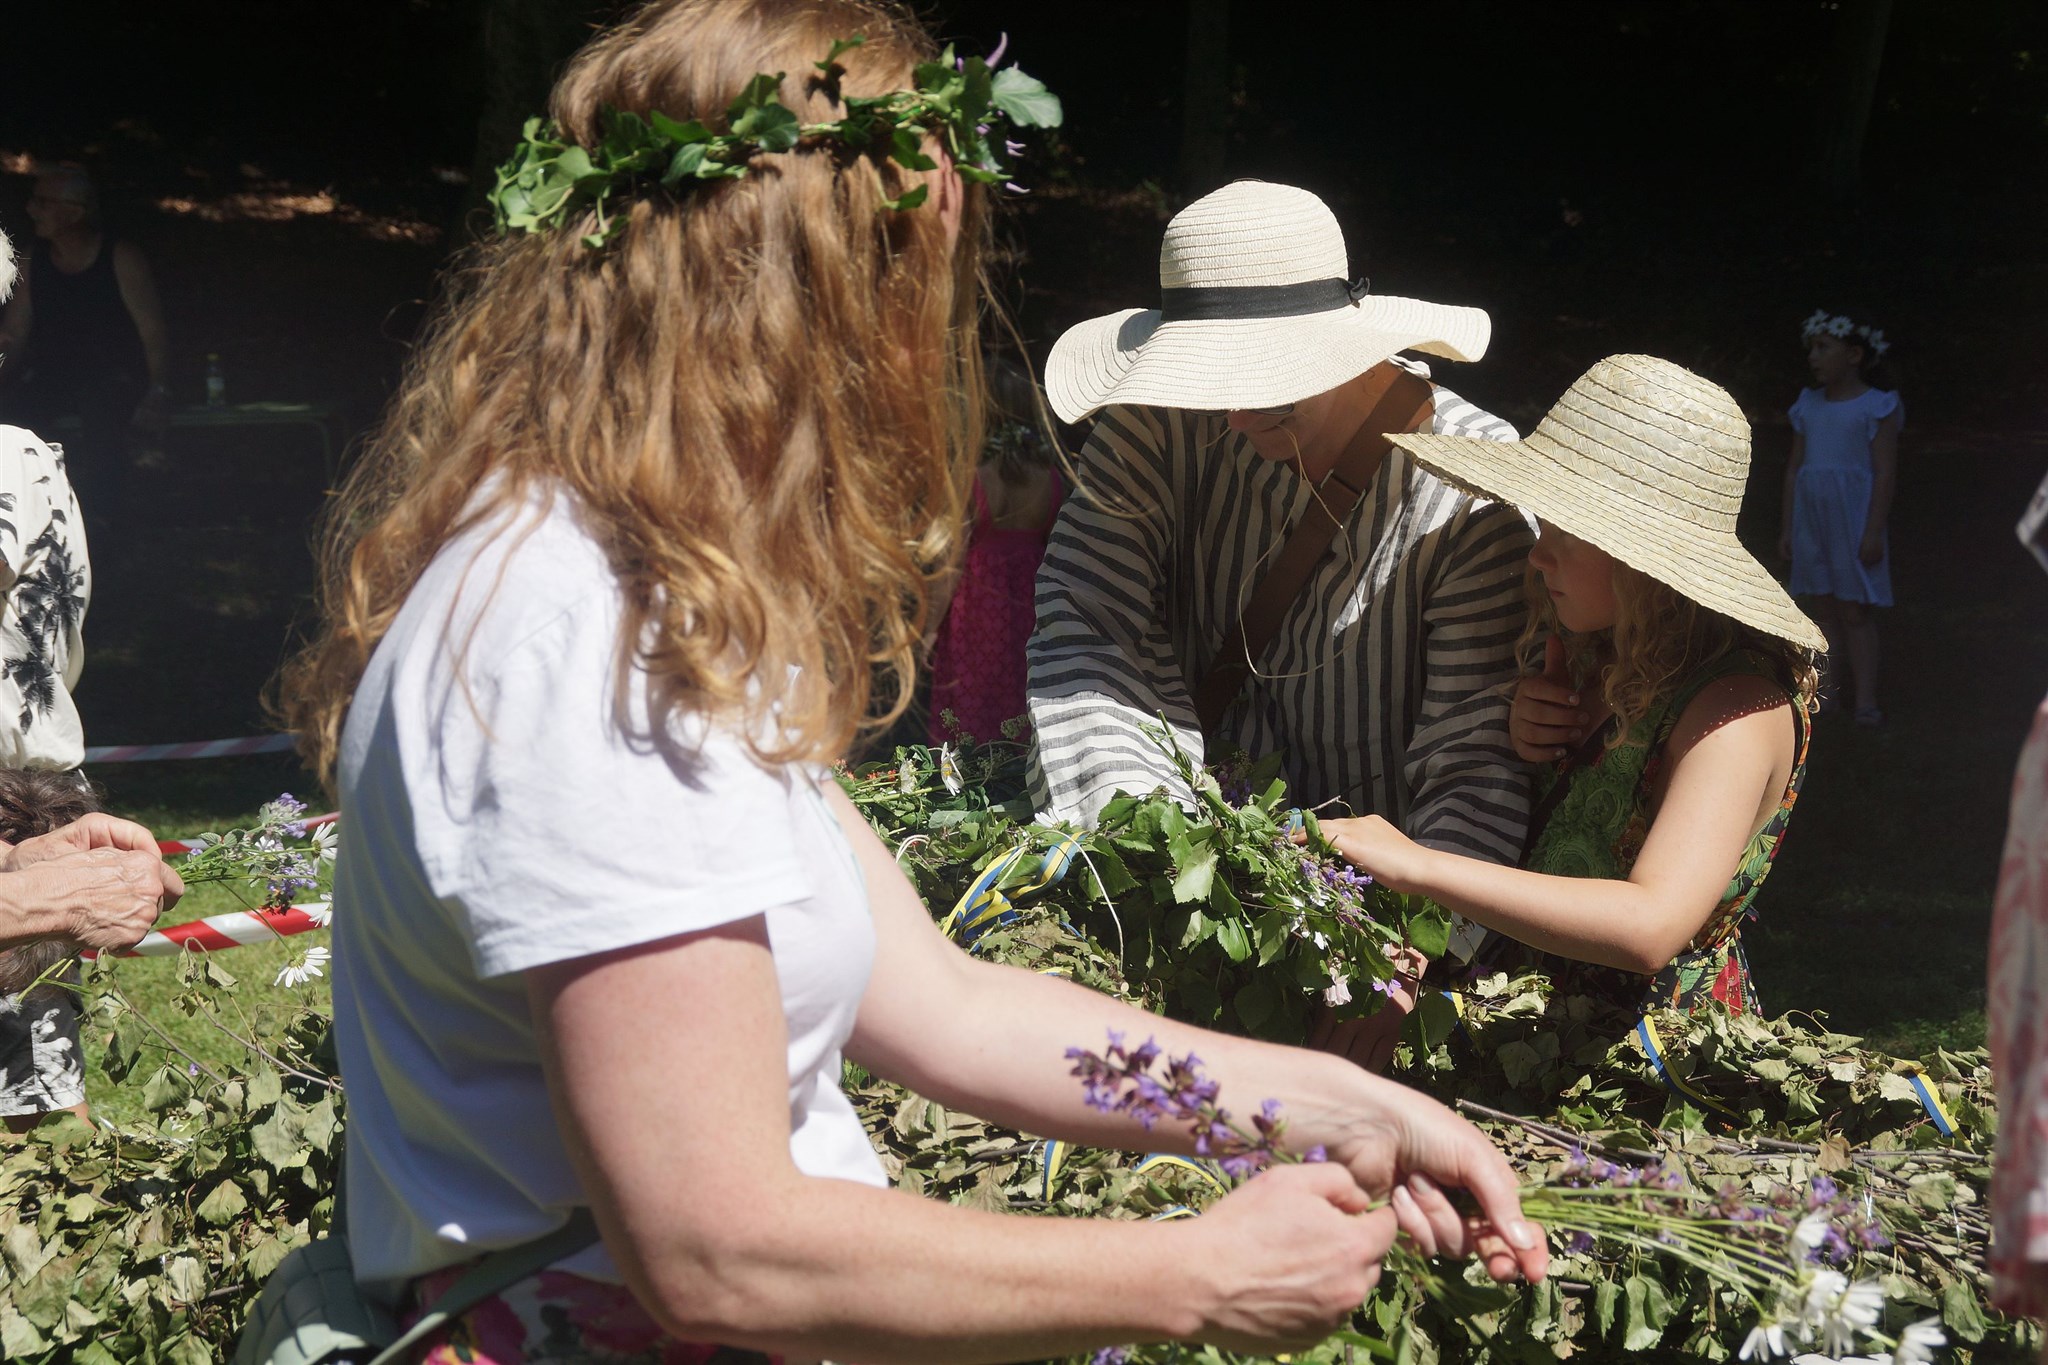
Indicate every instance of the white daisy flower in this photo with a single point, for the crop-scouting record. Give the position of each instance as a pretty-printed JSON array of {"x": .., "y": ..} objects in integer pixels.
[
  {"x": 324, "y": 841},
  {"x": 302, "y": 969},
  {"x": 1766, "y": 1342},
  {"x": 321, "y": 913},
  {"x": 1839, "y": 326},
  {"x": 949, "y": 770},
  {"x": 1919, "y": 1342}
]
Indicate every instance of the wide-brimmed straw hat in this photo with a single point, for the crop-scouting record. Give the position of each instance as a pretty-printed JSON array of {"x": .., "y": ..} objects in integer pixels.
[
  {"x": 1256, "y": 310},
  {"x": 1647, "y": 461}
]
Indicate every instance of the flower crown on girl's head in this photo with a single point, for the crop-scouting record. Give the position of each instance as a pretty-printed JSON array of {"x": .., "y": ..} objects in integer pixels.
[
  {"x": 962, "y": 102},
  {"x": 1824, "y": 323}
]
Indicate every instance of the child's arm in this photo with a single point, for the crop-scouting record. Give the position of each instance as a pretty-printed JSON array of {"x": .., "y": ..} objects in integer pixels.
[
  {"x": 1884, "y": 480},
  {"x": 1729, "y": 750},
  {"x": 1791, "y": 478}
]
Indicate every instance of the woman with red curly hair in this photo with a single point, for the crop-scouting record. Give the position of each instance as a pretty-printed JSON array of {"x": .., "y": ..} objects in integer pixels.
[{"x": 666, "y": 488}]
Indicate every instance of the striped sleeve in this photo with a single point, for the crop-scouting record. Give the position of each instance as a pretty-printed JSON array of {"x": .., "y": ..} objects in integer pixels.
[
  {"x": 1100, "y": 671},
  {"x": 1471, "y": 792}
]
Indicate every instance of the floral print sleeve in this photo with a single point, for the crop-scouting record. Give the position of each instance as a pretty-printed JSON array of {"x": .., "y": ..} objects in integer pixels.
[{"x": 45, "y": 586}]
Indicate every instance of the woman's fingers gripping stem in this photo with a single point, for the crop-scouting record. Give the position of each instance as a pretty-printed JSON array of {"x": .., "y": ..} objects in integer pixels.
[{"x": 1292, "y": 1254}]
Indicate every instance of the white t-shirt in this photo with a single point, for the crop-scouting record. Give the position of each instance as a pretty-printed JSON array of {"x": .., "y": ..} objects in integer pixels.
[
  {"x": 45, "y": 585},
  {"x": 505, "y": 818}
]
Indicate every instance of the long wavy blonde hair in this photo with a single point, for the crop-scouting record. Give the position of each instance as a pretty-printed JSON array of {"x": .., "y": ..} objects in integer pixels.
[
  {"x": 764, "y": 398},
  {"x": 1660, "y": 638}
]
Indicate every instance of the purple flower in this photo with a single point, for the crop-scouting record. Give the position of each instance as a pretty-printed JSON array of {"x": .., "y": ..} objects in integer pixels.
[
  {"x": 1122, "y": 1082},
  {"x": 1822, "y": 1191},
  {"x": 1579, "y": 1243},
  {"x": 1316, "y": 1155}
]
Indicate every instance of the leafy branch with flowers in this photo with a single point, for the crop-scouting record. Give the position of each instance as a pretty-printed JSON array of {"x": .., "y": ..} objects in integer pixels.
[{"x": 1797, "y": 1145}]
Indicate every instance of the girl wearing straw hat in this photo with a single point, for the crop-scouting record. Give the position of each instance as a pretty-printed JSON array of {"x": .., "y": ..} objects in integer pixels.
[{"x": 1697, "y": 666}]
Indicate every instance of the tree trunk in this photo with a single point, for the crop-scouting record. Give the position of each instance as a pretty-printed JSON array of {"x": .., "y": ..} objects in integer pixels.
[
  {"x": 1847, "y": 88},
  {"x": 1205, "y": 99}
]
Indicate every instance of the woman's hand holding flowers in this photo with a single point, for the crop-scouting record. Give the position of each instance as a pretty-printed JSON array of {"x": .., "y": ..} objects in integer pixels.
[
  {"x": 1288, "y": 1258},
  {"x": 1374, "y": 846}
]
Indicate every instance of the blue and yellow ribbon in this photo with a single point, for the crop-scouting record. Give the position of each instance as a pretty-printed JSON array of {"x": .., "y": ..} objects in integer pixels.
[
  {"x": 1052, "y": 1159},
  {"x": 985, "y": 903},
  {"x": 1181, "y": 1163},
  {"x": 1653, "y": 1048},
  {"x": 1930, "y": 1100}
]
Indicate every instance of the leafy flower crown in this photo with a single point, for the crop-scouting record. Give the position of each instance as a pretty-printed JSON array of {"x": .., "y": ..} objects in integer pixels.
[
  {"x": 549, "y": 181},
  {"x": 1824, "y": 323}
]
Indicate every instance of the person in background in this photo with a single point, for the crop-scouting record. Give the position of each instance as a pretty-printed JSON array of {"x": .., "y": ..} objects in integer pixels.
[
  {"x": 1838, "y": 496},
  {"x": 84, "y": 338},
  {"x": 2016, "y": 1023},
  {"x": 978, "y": 656}
]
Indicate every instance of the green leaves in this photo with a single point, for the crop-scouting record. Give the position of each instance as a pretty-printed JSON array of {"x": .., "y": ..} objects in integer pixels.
[
  {"x": 757, "y": 116},
  {"x": 548, "y": 182},
  {"x": 1024, "y": 100}
]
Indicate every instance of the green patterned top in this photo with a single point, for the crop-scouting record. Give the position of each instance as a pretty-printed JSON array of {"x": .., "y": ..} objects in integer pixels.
[{"x": 1597, "y": 828}]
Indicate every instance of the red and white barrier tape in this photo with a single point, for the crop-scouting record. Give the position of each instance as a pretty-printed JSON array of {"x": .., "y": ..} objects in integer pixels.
[
  {"x": 171, "y": 848},
  {"x": 207, "y": 748},
  {"x": 231, "y": 930}
]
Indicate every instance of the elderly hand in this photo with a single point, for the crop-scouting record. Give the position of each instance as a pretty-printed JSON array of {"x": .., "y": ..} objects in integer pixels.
[
  {"x": 97, "y": 830},
  {"x": 1407, "y": 1146},
  {"x": 99, "y": 881}
]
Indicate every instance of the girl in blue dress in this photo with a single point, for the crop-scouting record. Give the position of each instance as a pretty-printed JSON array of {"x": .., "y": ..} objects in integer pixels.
[{"x": 1838, "y": 496}]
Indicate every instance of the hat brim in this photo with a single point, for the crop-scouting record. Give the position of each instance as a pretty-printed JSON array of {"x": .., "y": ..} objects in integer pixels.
[
  {"x": 1133, "y": 357},
  {"x": 1541, "y": 476}
]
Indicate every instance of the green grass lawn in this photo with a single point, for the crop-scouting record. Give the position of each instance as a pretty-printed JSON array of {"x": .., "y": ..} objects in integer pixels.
[{"x": 178, "y": 800}]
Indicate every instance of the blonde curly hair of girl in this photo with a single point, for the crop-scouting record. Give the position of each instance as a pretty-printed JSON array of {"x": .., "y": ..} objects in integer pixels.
[
  {"x": 763, "y": 397},
  {"x": 1660, "y": 638}
]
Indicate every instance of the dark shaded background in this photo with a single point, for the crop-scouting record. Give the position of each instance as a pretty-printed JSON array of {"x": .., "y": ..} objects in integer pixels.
[{"x": 1620, "y": 175}]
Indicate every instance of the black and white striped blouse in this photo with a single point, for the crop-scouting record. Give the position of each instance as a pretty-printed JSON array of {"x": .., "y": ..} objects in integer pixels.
[{"x": 1386, "y": 685}]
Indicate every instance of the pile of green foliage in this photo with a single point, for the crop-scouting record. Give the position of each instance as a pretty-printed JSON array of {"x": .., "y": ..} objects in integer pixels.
[{"x": 147, "y": 1247}]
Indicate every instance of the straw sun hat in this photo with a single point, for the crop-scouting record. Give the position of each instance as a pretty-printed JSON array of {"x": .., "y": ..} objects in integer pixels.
[
  {"x": 1256, "y": 311},
  {"x": 1646, "y": 461}
]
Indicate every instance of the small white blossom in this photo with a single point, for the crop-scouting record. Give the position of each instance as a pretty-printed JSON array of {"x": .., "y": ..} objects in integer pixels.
[
  {"x": 323, "y": 838},
  {"x": 949, "y": 769},
  {"x": 1841, "y": 1311},
  {"x": 1812, "y": 1231},
  {"x": 1840, "y": 326},
  {"x": 1766, "y": 1342},
  {"x": 304, "y": 968},
  {"x": 1919, "y": 1342},
  {"x": 1338, "y": 992},
  {"x": 321, "y": 913}
]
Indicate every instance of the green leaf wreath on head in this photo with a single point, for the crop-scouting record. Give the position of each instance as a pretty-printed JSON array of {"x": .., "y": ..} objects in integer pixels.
[{"x": 964, "y": 102}]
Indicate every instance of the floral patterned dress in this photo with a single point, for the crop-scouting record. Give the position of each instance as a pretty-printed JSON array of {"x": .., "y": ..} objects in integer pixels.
[
  {"x": 2018, "y": 1029},
  {"x": 1596, "y": 827}
]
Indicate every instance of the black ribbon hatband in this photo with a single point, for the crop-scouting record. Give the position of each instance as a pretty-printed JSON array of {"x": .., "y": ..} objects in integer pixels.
[{"x": 1217, "y": 302}]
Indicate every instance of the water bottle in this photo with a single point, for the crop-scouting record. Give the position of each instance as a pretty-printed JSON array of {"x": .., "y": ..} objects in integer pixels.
[{"x": 216, "y": 383}]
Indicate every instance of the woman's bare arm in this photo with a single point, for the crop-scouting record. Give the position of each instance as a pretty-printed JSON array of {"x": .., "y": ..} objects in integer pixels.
[
  {"x": 991, "y": 1040},
  {"x": 668, "y": 1068}
]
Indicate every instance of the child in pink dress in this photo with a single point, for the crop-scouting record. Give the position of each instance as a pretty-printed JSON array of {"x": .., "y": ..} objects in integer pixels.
[{"x": 978, "y": 655}]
